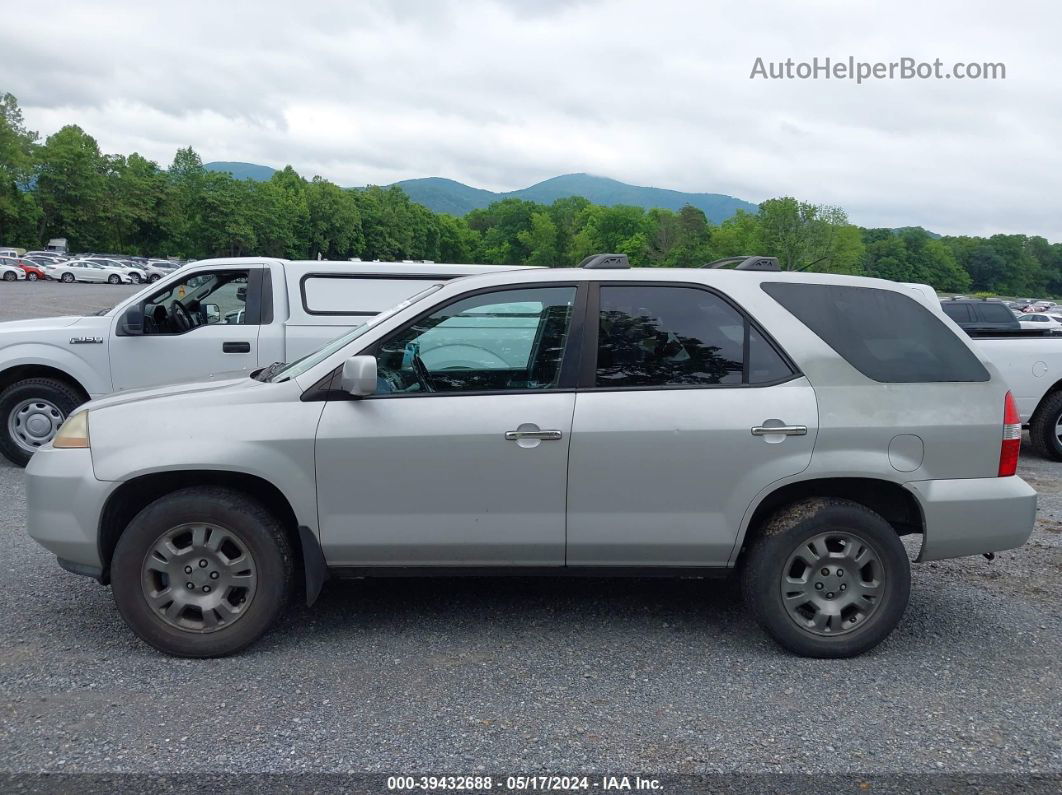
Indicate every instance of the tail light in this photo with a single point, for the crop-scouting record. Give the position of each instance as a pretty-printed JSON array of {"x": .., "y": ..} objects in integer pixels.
[{"x": 1011, "y": 445}]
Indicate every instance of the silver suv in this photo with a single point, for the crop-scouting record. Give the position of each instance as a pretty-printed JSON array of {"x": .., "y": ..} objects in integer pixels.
[{"x": 600, "y": 420}]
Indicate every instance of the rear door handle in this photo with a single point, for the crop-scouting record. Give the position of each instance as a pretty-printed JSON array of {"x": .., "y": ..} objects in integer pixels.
[
  {"x": 785, "y": 430},
  {"x": 546, "y": 436},
  {"x": 235, "y": 347}
]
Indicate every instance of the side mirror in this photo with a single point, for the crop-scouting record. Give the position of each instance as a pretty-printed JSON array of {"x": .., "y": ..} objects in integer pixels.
[
  {"x": 131, "y": 323},
  {"x": 213, "y": 313},
  {"x": 359, "y": 376}
]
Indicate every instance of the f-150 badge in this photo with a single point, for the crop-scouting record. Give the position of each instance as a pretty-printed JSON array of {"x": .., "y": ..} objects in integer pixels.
[{"x": 86, "y": 340}]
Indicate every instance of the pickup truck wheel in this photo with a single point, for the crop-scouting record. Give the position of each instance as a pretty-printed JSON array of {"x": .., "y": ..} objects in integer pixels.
[
  {"x": 1045, "y": 429},
  {"x": 202, "y": 572},
  {"x": 67, "y": 277},
  {"x": 827, "y": 577},
  {"x": 31, "y": 411}
]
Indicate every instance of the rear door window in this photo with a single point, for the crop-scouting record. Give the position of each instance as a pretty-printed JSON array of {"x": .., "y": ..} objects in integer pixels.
[
  {"x": 995, "y": 313},
  {"x": 882, "y": 333},
  {"x": 674, "y": 336},
  {"x": 960, "y": 313}
]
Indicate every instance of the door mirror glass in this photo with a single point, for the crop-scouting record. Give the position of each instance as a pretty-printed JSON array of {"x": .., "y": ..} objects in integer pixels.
[
  {"x": 131, "y": 323},
  {"x": 213, "y": 313},
  {"x": 359, "y": 376}
]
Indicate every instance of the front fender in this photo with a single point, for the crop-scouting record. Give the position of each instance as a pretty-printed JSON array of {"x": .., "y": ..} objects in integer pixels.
[{"x": 93, "y": 373}]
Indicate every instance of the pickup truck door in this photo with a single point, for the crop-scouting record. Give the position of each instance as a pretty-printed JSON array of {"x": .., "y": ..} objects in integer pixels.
[{"x": 195, "y": 327}]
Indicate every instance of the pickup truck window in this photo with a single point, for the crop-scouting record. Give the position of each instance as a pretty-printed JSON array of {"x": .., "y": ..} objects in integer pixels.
[
  {"x": 201, "y": 299},
  {"x": 883, "y": 334},
  {"x": 343, "y": 294}
]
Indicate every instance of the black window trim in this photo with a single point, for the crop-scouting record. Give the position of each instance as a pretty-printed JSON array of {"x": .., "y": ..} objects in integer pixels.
[
  {"x": 424, "y": 277},
  {"x": 327, "y": 388},
  {"x": 252, "y": 305},
  {"x": 588, "y": 376}
]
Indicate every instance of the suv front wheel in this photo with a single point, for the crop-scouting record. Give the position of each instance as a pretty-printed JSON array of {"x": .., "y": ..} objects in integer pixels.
[
  {"x": 827, "y": 577},
  {"x": 202, "y": 572}
]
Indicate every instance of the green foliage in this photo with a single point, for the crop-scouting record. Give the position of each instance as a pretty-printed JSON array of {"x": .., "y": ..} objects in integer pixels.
[{"x": 66, "y": 187}]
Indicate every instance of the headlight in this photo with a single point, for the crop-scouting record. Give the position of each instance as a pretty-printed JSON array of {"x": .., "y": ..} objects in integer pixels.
[{"x": 74, "y": 432}]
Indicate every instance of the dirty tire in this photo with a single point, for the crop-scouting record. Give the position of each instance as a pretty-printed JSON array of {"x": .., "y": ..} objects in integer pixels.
[
  {"x": 792, "y": 526},
  {"x": 59, "y": 393},
  {"x": 1043, "y": 429},
  {"x": 258, "y": 530}
]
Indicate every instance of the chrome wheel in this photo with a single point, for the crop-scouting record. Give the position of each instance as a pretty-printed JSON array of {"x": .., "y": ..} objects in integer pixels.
[
  {"x": 832, "y": 583},
  {"x": 199, "y": 578},
  {"x": 33, "y": 423},
  {"x": 1058, "y": 429}
]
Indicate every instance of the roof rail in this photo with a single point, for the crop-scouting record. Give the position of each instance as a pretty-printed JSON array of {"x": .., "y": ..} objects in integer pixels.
[
  {"x": 747, "y": 263},
  {"x": 612, "y": 261}
]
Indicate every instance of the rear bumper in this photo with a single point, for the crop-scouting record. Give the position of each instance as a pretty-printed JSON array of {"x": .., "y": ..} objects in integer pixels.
[{"x": 974, "y": 515}]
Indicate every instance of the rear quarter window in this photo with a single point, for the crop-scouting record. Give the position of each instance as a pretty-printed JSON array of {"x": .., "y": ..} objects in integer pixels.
[{"x": 883, "y": 334}]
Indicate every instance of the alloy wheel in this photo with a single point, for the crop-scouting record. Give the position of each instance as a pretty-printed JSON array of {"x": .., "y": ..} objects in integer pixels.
[
  {"x": 199, "y": 578},
  {"x": 832, "y": 583}
]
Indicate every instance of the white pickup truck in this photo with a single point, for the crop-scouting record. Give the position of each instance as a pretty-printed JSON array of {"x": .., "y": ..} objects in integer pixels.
[
  {"x": 1032, "y": 368},
  {"x": 214, "y": 316}
]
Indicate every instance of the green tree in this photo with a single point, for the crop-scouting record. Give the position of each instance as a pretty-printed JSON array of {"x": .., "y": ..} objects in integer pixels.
[
  {"x": 19, "y": 212},
  {"x": 71, "y": 189},
  {"x": 540, "y": 240},
  {"x": 806, "y": 236}
]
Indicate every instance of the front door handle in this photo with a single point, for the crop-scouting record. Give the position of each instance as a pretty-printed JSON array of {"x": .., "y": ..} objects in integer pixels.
[
  {"x": 785, "y": 430},
  {"x": 235, "y": 347},
  {"x": 545, "y": 436}
]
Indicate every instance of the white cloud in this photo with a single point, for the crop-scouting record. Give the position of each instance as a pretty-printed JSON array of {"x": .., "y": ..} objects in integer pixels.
[{"x": 503, "y": 94}]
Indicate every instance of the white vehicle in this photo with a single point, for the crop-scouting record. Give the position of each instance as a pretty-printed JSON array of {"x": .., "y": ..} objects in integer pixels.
[
  {"x": 1041, "y": 321},
  {"x": 9, "y": 273},
  {"x": 1032, "y": 368},
  {"x": 87, "y": 271},
  {"x": 216, "y": 316}
]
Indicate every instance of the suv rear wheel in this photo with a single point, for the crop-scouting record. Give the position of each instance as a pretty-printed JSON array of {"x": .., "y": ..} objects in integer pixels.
[
  {"x": 202, "y": 572},
  {"x": 827, "y": 577}
]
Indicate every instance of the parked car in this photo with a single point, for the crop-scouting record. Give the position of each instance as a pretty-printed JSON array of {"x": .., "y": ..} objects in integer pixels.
[
  {"x": 87, "y": 271},
  {"x": 10, "y": 273},
  {"x": 12, "y": 252},
  {"x": 33, "y": 271},
  {"x": 215, "y": 316},
  {"x": 981, "y": 315},
  {"x": 660, "y": 421},
  {"x": 1040, "y": 320}
]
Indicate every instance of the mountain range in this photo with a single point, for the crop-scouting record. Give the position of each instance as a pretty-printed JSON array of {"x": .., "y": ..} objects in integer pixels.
[{"x": 456, "y": 198}]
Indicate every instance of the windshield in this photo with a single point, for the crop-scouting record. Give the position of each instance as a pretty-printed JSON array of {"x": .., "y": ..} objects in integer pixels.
[{"x": 300, "y": 366}]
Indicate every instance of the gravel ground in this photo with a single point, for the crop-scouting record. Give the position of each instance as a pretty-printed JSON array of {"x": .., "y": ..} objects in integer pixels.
[{"x": 523, "y": 675}]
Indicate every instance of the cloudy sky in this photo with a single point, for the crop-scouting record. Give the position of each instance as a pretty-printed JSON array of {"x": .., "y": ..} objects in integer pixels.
[{"x": 502, "y": 93}]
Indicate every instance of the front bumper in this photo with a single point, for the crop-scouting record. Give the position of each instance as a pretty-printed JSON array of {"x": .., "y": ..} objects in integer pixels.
[
  {"x": 64, "y": 502},
  {"x": 974, "y": 515}
]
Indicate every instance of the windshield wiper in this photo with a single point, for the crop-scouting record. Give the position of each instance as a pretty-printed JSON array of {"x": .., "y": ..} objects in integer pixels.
[{"x": 267, "y": 373}]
